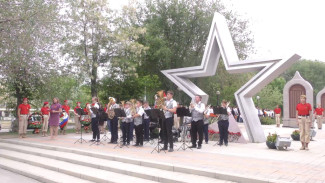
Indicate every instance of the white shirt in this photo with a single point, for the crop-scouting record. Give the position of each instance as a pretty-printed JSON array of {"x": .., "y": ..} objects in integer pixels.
[
  {"x": 140, "y": 111},
  {"x": 93, "y": 115}
]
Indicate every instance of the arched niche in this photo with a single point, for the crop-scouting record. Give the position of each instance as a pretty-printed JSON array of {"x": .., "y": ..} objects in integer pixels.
[{"x": 291, "y": 97}]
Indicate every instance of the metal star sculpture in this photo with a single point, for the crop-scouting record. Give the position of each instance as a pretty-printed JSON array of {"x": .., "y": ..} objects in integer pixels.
[{"x": 220, "y": 43}]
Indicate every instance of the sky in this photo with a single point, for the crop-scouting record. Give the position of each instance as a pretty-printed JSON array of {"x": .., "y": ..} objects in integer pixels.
[{"x": 280, "y": 27}]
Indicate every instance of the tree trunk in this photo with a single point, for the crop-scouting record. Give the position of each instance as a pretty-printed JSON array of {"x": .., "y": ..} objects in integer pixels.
[
  {"x": 94, "y": 79},
  {"x": 14, "y": 124}
]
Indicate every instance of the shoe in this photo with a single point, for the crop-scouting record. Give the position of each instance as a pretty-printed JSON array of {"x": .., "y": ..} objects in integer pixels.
[
  {"x": 136, "y": 145},
  {"x": 164, "y": 149},
  {"x": 199, "y": 147},
  {"x": 226, "y": 144},
  {"x": 206, "y": 142},
  {"x": 193, "y": 146},
  {"x": 141, "y": 145},
  {"x": 97, "y": 140},
  {"x": 171, "y": 150},
  {"x": 128, "y": 143},
  {"x": 160, "y": 142},
  {"x": 220, "y": 144},
  {"x": 92, "y": 140},
  {"x": 302, "y": 148}
]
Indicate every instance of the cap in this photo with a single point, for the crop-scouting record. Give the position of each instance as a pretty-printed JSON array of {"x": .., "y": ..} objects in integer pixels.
[
  {"x": 25, "y": 99},
  {"x": 78, "y": 102},
  {"x": 65, "y": 100},
  {"x": 46, "y": 103}
]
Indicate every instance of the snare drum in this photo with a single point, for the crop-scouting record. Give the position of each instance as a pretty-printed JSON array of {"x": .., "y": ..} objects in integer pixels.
[{"x": 64, "y": 118}]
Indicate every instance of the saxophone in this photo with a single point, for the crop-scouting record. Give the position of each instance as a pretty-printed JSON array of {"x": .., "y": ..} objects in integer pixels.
[{"x": 110, "y": 112}]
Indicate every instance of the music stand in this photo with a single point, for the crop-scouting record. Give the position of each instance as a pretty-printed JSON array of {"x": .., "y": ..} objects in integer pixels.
[
  {"x": 158, "y": 114},
  {"x": 181, "y": 112},
  {"x": 105, "y": 137},
  {"x": 80, "y": 140},
  {"x": 119, "y": 113}
]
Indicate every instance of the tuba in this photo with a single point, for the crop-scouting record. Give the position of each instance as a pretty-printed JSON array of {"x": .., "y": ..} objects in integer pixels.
[
  {"x": 133, "y": 107},
  {"x": 160, "y": 99},
  {"x": 110, "y": 112}
]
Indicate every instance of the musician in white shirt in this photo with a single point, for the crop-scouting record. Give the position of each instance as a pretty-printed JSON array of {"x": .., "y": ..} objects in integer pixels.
[{"x": 197, "y": 109}]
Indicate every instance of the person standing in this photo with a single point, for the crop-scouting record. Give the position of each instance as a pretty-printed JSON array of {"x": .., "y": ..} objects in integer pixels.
[
  {"x": 319, "y": 115},
  {"x": 197, "y": 110},
  {"x": 45, "y": 110},
  {"x": 138, "y": 123},
  {"x": 66, "y": 108},
  {"x": 223, "y": 123},
  {"x": 94, "y": 119},
  {"x": 125, "y": 124},
  {"x": 114, "y": 121},
  {"x": 23, "y": 113},
  {"x": 206, "y": 122},
  {"x": 77, "y": 118},
  {"x": 146, "y": 121},
  {"x": 304, "y": 119},
  {"x": 54, "y": 120},
  {"x": 277, "y": 112},
  {"x": 169, "y": 110}
]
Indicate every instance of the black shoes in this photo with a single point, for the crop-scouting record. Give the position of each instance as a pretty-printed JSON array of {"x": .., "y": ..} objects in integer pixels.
[
  {"x": 136, "y": 145},
  {"x": 164, "y": 149},
  {"x": 199, "y": 147},
  {"x": 193, "y": 146},
  {"x": 92, "y": 140},
  {"x": 226, "y": 144},
  {"x": 170, "y": 150},
  {"x": 97, "y": 140},
  {"x": 206, "y": 142}
]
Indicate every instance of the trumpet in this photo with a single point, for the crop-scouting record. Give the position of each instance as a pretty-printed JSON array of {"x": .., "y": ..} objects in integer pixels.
[{"x": 160, "y": 99}]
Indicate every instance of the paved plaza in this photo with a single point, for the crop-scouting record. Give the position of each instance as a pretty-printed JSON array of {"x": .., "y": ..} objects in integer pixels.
[{"x": 251, "y": 160}]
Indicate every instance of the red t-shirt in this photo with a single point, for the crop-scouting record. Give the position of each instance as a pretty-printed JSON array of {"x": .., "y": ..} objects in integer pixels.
[
  {"x": 277, "y": 110},
  {"x": 66, "y": 108},
  {"x": 319, "y": 111},
  {"x": 303, "y": 109},
  {"x": 45, "y": 110},
  {"x": 24, "y": 108},
  {"x": 75, "y": 109},
  {"x": 85, "y": 110}
]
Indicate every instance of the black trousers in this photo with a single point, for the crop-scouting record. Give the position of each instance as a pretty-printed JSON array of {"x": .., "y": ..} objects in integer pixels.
[
  {"x": 131, "y": 129},
  {"x": 197, "y": 128},
  {"x": 146, "y": 128},
  {"x": 114, "y": 130},
  {"x": 167, "y": 132},
  {"x": 206, "y": 132},
  {"x": 95, "y": 128},
  {"x": 125, "y": 132},
  {"x": 139, "y": 134},
  {"x": 223, "y": 126}
]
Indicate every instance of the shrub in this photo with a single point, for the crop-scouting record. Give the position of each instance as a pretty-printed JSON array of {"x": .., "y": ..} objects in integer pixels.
[
  {"x": 267, "y": 121},
  {"x": 271, "y": 137}
]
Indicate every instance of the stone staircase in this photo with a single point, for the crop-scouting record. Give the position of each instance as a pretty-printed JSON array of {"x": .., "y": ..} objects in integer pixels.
[{"x": 59, "y": 164}]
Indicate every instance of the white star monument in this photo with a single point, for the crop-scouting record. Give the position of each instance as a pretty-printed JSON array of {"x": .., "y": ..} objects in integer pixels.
[{"x": 220, "y": 43}]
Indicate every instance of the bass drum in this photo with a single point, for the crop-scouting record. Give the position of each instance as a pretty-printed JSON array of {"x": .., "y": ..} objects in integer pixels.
[
  {"x": 85, "y": 120},
  {"x": 64, "y": 118}
]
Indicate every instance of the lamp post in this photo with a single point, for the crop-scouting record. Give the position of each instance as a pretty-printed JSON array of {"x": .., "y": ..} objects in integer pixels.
[{"x": 218, "y": 94}]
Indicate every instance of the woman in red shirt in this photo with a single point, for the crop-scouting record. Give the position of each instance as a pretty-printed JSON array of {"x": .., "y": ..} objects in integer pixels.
[
  {"x": 46, "y": 115},
  {"x": 319, "y": 115},
  {"x": 303, "y": 116}
]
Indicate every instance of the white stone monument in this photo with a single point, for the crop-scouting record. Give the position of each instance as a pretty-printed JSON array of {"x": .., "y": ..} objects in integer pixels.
[{"x": 291, "y": 97}]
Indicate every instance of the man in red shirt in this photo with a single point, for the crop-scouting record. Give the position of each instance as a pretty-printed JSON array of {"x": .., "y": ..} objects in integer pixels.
[
  {"x": 22, "y": 114},
  {"x": 66, "y": 107},
  {"x": 303, "y": 116},
  {"x": 45, "y": 110},
  {"x": 319, "y": 115},
  {"x": 277, "y": 112},
  {"x": 77, "y": 118}
]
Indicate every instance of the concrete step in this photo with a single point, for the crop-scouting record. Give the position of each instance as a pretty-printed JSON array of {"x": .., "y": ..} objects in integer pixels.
[
  {"x": 37, "y": 173},
  {"x": 141, "y": 163},
  {"x": 79, "y": 171},
  {"x": 148, "y": 173}
]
